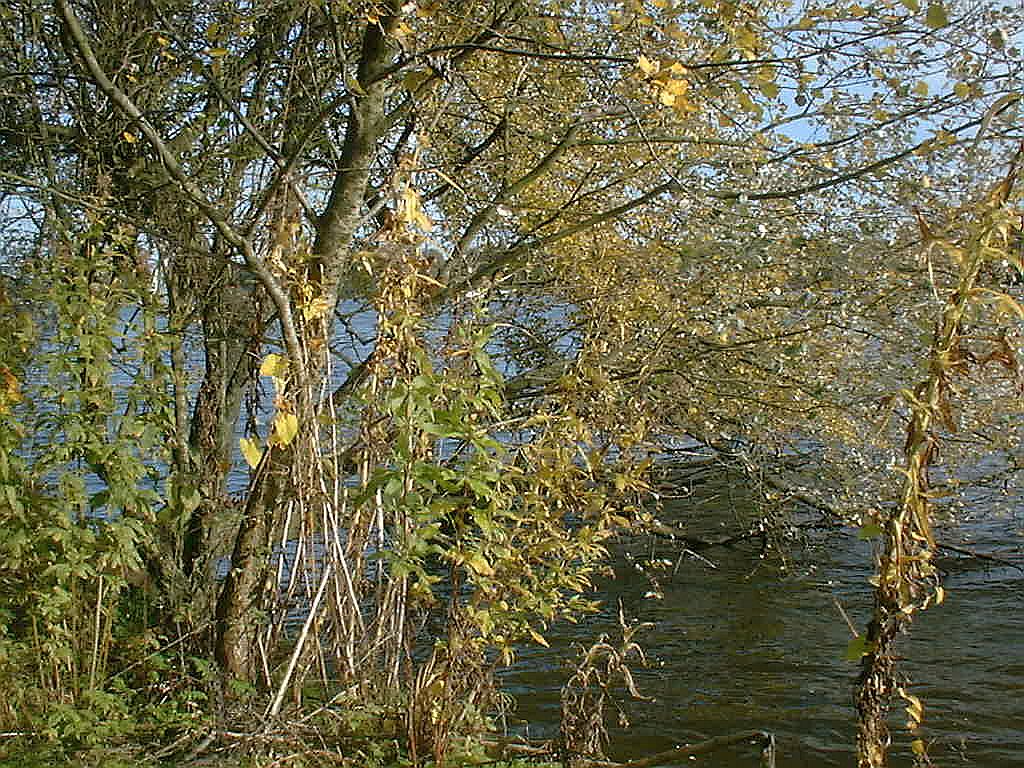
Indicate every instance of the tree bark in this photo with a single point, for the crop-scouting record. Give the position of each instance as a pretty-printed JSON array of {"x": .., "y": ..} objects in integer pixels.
[{"x": 243, "y": 600}]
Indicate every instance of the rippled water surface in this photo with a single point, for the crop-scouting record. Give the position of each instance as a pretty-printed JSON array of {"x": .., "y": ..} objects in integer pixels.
[{"x": 758, "y": 644}]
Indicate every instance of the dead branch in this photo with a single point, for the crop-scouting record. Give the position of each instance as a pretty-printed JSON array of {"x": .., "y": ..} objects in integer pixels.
[{"x": 765, "y": 739}]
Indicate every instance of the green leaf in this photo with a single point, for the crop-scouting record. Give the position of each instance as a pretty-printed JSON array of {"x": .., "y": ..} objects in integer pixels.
[
  {"x": 869, "y": 531},
  {"x": 412, "y": 81},
  {"x": 911, "y": 5},
  {"x": 190, "y": 499},
  {"x": 440, "y": 430},
  {"x": 936, "y": 16},
  {"x": 857, "y": 648}
]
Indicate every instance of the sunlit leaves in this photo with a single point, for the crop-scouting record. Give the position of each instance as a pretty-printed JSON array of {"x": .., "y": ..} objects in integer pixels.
[
  {"x": 478, "y": 563},
  {"x": 276, "y": 367},
  {"x": 648, "y": 67},
  {"x": 668, "y": 83},
  {"x": 914, "y": 708}
]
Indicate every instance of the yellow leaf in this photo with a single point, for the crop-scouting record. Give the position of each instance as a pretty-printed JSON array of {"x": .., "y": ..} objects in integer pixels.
[
  {"x": 131, "y": 138},
  {"x": 426, "y": 11},
  {"x": 747, "y": 41},
  {"x": 11, "y": 385},
  {"x": 274, "y": 365},
  {"x": 355, "y": 86},
  {"x": 218, "y": 53},
  {"x": 423, "y": 221},
  {"x": 917, "y": 746},
  {"x": 648, "y": 67},
  {"x": 478, "y": 563},
  {"x": 251, "y": 451},
  {"x": 286, "y": 426},
  {"x": 677, "y": 87},
  {"x": 914, "y": 708},
  {"x": 747, "y": 103},
  {"x": 315, "y": 309},
  {"x": 538, "y": 638},
  {"x": 962, "y": 90},
  {"x": 10, "y": 392},
  {"x": 921, "y": 88}
]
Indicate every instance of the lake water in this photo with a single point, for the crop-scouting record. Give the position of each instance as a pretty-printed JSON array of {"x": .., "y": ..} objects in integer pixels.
[{"x": 758, "y": 644}]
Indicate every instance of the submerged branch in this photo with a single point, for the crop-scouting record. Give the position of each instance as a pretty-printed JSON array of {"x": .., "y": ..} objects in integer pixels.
[{"x": 764, "y": 739}]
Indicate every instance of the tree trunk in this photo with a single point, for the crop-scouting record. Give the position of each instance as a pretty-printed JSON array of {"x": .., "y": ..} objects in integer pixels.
[
  {"x": 232, "y": 354},
  {"x": 244, "y": 597}
]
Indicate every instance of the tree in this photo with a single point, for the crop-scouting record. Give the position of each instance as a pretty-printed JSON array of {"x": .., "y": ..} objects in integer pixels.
[{"x": 657, "y": 218}]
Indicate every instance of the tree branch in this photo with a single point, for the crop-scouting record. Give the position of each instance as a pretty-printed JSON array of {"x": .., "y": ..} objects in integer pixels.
[
  {"x": 283, "y": 166},
  {"x": 338, "y": 223},
  {"x": 243, "y": 245},
  {"x": 482, "y": 217}
]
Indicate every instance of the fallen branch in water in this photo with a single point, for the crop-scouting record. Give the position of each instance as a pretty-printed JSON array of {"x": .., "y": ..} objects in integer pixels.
[
  {"x": 695, "y": 543},
  {"x": 980, "y": 556},
  {"x": 763, "y": 738}
]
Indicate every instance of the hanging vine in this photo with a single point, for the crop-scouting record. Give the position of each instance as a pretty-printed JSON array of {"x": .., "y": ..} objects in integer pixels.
[{"x": 906, "y": 579}]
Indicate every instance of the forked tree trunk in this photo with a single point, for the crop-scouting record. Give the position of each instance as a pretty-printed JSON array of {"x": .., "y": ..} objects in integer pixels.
[{"x": 244, "y": 594}]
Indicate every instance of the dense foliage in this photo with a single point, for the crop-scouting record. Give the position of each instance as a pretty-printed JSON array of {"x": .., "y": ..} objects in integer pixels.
[{"x": 374, "y": 314}]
